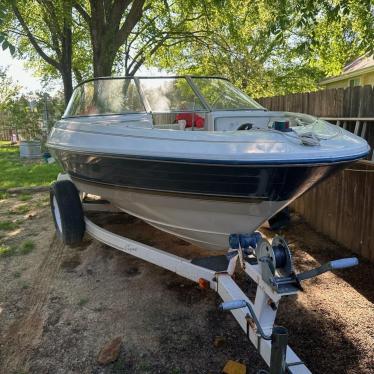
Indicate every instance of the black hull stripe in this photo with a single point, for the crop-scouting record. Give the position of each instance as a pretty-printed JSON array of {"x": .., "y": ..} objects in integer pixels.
[{"x": 270, "y": 183}]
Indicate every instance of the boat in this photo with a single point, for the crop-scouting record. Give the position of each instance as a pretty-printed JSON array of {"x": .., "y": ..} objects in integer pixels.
[{"x": 194, "y": 156}]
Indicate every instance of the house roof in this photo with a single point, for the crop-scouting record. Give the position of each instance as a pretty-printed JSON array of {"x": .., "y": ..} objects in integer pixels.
[{"x": 363, "y": 64}]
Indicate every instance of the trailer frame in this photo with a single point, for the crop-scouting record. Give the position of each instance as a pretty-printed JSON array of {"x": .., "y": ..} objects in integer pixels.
[{"x": 266, "y": 301}]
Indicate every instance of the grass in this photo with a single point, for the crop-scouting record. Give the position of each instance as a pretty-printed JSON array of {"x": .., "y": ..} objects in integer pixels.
[
  {"x": 26, "y": 247},
  {"x": 8, "y": 225},
  {"x": 3, "y": 195},
  {"x": 83, "y": 301},
  {"x": 16, "y": 172},
  {"x": 24, "y": 197},
  {"x": 24, "y": 285},
  {"x": 6, "y": 251},
  {"x": 21, "y": 209}
]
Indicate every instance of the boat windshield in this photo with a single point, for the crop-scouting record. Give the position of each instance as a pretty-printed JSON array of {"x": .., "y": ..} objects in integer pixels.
[
  {"x": 105, "y": 96},
  {"x": 170, "y": 95},
  {"x": 157, "y": 95},
  {"x": 220, "y": 94}
]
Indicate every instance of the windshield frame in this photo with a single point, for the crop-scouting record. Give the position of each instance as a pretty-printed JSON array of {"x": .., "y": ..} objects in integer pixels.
[{"x": 146, "y": 104}]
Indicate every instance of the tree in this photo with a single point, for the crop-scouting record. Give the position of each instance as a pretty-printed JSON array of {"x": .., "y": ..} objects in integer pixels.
[
  {"x": 16, "y": 115},
  {"x": 8, "y": 92},
  {"x": 47, "y": 25},
  {"x": 267, "y": 48},
  {"x": 24, "y": 114},
  {"x": 81, "y": 37},
  {"x": 107, "y": 29},
  {"x": 24, "y": 118},
  {"x": 359, "y": 14},
  {"x": 8, "y": 89},
  {"x": 242, "y": 44},
  {"x": 125, "y": 33}
]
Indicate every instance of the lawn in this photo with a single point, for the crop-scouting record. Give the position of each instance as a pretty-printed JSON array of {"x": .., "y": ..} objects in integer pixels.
[{"x": 17, "y": 172}]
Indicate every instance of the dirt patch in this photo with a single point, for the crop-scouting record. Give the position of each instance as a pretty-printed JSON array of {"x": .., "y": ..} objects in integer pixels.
[
  {"x": 61, "y": 305},
  {"x": 71, "y": 262}
]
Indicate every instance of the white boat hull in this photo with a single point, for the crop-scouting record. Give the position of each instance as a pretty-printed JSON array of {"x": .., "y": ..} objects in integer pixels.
[{"x": 204, "y": 222}]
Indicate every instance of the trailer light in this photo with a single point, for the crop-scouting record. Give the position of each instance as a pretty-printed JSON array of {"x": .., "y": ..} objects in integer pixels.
[{"x": 203, "y": 283}]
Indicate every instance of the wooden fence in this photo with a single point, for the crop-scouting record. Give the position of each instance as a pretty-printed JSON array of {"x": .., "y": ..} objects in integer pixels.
[
  {"x": 341, "y": 207},
  {"x": 339, "y": 102}
]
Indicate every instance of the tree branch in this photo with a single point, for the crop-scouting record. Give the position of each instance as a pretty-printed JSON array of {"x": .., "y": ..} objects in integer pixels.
[
  {"x": 131, "y": 20},
  {"x": 82, "y": 12},
  {"x": 32, "y": 39},
  {"x": 78, "y": 75},
  {"x": 20, "y": 33},
  {"x": 117, "y": 10},
  {"x": 139, "y": 63}
]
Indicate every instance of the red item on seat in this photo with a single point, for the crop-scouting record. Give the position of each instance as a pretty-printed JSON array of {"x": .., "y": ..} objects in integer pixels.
[{"x": 198, "y": 120}]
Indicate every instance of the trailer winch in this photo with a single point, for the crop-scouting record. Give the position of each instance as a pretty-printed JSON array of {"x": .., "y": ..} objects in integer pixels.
[{"x": 275, "y": 260}]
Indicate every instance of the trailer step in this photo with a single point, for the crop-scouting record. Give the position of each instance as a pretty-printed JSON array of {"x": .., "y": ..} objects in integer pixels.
[{"x": 216, "y": 263}]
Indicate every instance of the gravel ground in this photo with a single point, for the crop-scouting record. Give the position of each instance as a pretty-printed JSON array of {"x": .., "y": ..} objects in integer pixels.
[{"x": 60, "y": 305}]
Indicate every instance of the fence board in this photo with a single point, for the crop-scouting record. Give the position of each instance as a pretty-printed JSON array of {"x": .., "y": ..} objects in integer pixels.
[
  {"x": 338, "y": 102},
  {"x": 342, "y": 208}
]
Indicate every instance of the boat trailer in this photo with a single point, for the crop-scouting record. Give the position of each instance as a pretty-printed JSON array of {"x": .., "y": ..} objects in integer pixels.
[{"x": 269, "y": 265}]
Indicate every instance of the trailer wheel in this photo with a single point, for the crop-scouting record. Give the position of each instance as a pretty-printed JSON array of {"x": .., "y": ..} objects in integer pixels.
[{"x": 67, "y": 212}]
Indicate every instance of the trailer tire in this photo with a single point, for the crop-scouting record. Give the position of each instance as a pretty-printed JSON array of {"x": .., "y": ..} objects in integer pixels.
[{"x": 67, "y": 212}]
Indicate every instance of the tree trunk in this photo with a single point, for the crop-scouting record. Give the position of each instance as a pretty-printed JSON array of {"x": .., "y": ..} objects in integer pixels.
[
  {"x": 66, "y": 58},
  {"x": 103, "y": 60},
  {"x": 103, "y": 49},
  {"x": 68, "y": 84},
  {"x": 108, "y": 31}
]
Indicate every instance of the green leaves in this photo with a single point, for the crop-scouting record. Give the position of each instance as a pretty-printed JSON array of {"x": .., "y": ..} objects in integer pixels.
[
  {"x": 4, "y": 41},
  {"x": 5, "y": 44},
  {"x": 273, "y": 47}
]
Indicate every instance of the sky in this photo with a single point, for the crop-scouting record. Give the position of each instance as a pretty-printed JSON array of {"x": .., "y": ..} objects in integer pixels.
[{"x": 19, "y": 73}]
